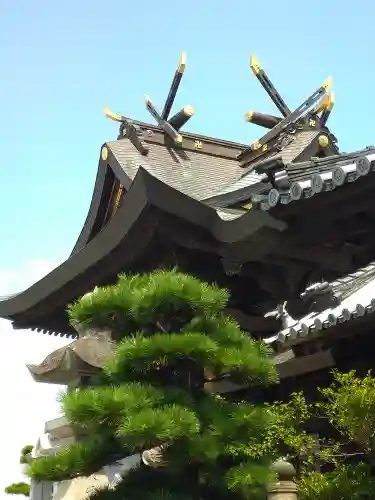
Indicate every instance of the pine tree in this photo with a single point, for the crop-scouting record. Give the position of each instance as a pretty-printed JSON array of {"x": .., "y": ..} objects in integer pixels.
[{"x": 172, "y": 335}]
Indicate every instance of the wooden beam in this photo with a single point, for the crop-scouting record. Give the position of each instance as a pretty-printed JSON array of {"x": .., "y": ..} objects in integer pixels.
[
  {"x": 344, "y": 210},
  {"x": 332, "y": 231},
  {"x": 174, "y": 86},
  {"x": 338, "y": 259},
  {"x": 306, "y": 364},
  {"x": 262, "y": 119},
  {"x": 181, "y": 117},
  {"x": 271, "y": 244}
]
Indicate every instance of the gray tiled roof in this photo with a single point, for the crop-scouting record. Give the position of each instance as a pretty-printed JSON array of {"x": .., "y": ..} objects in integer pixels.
[
  {"x": 195, "y": 174},
  {"x": 357, "y": 293},
  {"x": 306, "y": 179},
  {"x": 247, "y": 180},
  {"x": 300, "y": 142},
  {"x": 220, "y": 181},
  {"x": 321, "y": 175},
  {"x": 250, "y": 182},
  {"x": 295, "y": 148},
  {"x": 241, "y": 190}
]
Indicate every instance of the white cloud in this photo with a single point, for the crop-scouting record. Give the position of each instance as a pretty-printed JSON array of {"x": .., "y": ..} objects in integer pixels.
[{"x": 25, "y": 405}]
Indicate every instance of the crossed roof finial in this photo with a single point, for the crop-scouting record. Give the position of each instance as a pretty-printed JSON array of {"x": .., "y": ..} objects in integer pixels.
[
  {"x": 170, "y": 126},
  {"x": 304, "y": 114}
]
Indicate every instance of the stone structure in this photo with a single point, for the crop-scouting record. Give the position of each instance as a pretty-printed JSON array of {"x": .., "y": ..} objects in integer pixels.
[
  {"x": 284, "y": 488},
  {"x": 58, "y": 434}
]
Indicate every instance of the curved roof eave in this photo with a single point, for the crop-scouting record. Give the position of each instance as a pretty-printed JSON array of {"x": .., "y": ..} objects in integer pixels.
[
  {"x": 92, "y": 214},
  {"x": 145, "y": 193},
  {"x": 120, "y": 149}
]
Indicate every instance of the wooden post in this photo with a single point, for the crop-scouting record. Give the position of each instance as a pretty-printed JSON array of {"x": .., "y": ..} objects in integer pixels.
[{"x": 284, "y": 488}]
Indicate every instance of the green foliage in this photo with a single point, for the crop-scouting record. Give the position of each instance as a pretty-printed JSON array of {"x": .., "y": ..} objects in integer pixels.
[
  {"x": 171, "y": 330},
  {"x": 139, "y": 302},
  {"x": 350, "y": 406},
  {"x": 345, "y": 482},
  {"x": 80, "y": 459},
  {"x": 26, "y": 454},
  {"x": 346, "y": 463},
  {"x": 18, "y": 489},
  {"x": 26, "y": 450},
  {"x": 286, "y": 435},
  {"x": 21, "y": 488}
]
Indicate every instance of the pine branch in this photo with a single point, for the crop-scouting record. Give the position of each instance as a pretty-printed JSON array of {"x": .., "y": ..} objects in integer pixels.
[
  {"x": 81, "y": 459},
  {"x": 18, "y": 489}
]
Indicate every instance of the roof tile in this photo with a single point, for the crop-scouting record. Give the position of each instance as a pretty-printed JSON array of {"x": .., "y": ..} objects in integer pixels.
[
  {"x": 357, "y": 292},
  {"x": 195, "y": 174}
]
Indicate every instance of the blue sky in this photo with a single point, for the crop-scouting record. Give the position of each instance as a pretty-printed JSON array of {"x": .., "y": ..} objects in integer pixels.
[{"x": 61, "y": 62}]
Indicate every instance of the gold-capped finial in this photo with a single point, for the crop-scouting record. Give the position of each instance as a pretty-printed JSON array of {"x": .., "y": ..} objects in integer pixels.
[
  {"x": 262, "y": 119},
  {"x": 254, "y": 64},
  {"x": 323, "y": 104},
  {"x": 326, "y": 113},
  {"x": 189, "y": 110},
  {"x": 182, "y": 63},
  {"x": 104, "y": 153},
  {"x": 112, "y": 116},
  {"x": 327, "y": 84},
  {"x": 331, "y": 99},
  {"x": 249, "y": 116},
  {"x": 181, "y": 117},
  {"x": 323, "y": 141}
]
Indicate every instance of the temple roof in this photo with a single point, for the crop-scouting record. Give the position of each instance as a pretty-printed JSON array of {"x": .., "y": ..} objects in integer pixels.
[
  {"x": 120, "y": 244},
  {"x": 301, "y": 180},
  {"x": 173, "y": 182},
  {"x": 195, "y": 172},
  {"x": 159, "y": 190},
  {"x": 348, "y": 299}
]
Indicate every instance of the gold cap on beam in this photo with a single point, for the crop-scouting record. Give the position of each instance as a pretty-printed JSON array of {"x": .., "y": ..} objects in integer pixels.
[
  {"x": 261, "y": 119},
  {"x": 323, "y": 141},
  {"x": 249, "y": 116},
  {"x": 111, "y": 115},
  {"x": 331, "y": 101},
  {"x": 182, "y": 63},
  {"x": 323, "y": 104},
  {"x": 188, "y": 110},
  {"x": 327, "y": 84},
  {"x": 326, "y": 103},
  {"x": 104, "y": 153},
  {"x": 254, "y": 64}
]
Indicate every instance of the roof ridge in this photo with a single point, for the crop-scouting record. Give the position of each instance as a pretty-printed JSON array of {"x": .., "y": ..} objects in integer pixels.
[
  {"x": 333, "y": 158},
  {"x": 191, "y": 135}
]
